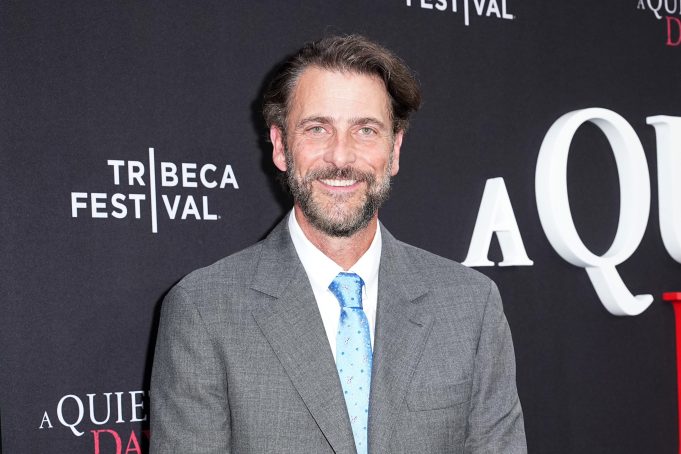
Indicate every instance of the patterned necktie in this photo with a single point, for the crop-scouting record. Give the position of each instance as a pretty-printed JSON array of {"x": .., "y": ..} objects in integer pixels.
[{"x": 353, "y": 354}]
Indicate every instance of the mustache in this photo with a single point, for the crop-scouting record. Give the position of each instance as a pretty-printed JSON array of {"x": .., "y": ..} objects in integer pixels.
[{"x": 334, "y": 173}]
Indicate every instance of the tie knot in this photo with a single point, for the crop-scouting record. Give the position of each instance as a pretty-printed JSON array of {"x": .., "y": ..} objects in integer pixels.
[{"x": 347, "y": 288}]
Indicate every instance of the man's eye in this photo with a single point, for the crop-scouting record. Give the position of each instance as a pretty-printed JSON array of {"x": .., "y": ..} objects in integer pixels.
[
  {"x": 316, "y": 130},
  {"x": 366, "y": 131}
]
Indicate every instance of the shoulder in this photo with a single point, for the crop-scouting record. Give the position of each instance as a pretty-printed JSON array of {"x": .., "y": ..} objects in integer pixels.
[
  {"x": 237, "y": 268},
  {"x": 214, "y": 288},
  {"x": 446, "y": 276},
  {"x": 452, "y": 293}
]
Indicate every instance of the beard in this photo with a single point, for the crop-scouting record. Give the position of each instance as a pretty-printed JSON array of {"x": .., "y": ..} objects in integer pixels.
[{"x": 338, "y": 215}]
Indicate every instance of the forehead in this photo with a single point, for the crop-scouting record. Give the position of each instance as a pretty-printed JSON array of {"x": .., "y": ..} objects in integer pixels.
[{"x": 339, "y": 95}]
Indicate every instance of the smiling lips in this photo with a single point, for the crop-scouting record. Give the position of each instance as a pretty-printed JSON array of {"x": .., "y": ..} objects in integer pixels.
[{"x": 338, "y": 183}]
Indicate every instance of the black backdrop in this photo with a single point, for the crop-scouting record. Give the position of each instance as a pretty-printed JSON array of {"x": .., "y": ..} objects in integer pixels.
[{"x": 84, "y": 85}]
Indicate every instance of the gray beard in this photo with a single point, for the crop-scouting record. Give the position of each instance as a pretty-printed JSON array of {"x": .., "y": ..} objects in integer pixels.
[{"x": 334, "y": 221}]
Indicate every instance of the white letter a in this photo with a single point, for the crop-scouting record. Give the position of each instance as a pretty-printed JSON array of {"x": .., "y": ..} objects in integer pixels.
[
  {"x": 46, "y": 419},
  {"x": 496, "y": 216}
]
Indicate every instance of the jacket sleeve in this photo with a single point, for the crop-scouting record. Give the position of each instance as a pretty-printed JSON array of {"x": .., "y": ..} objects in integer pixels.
[
  {"x": 188, "y": 395},
  {"x": 495, "y": 423}
]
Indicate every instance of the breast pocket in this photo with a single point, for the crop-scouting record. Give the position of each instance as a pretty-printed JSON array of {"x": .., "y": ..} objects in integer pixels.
[{"x": 434, "y": 397}]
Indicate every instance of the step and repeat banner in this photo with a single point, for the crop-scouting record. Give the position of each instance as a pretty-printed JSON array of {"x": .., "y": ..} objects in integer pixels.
[{"x": 547, "y": 155}]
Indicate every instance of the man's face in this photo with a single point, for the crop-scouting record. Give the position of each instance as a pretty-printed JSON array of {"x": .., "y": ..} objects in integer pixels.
[{"x": 339, "y": 151}]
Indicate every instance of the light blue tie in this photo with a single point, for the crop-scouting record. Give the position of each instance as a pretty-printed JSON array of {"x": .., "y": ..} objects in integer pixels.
[{"x": 353, "y": 354}]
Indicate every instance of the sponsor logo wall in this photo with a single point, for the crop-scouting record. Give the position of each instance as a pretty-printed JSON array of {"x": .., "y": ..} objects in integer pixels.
[{"x": 546, "y": 155}]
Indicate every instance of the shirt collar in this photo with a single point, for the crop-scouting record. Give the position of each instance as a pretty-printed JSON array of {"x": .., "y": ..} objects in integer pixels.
[{"x": 321, "y": 270}]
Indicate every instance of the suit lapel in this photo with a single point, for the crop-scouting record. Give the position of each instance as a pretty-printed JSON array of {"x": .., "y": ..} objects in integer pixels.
[
  {"x": 401, "y": 333},
  {"x": 294, "y": 329}
]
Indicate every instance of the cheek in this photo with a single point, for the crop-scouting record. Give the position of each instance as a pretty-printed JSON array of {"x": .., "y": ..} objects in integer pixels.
[
  {"x": 306, "y": 155},
  {"x": 380, "y": 160}
]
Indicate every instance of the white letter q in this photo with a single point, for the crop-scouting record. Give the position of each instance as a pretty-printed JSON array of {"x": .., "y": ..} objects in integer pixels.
[{"x": 554, "y": 207}]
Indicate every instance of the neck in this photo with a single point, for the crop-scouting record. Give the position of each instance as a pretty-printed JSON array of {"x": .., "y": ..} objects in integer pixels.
[{"x": 345, "y": 251}]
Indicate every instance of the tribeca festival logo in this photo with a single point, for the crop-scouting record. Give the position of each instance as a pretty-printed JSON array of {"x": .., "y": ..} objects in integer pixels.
[
  {"x": 144, "y": 196},
  {"x": 98, "y": 417},
  {"x": 665, "y": 9},
  {"x": 488, "y": 8}
]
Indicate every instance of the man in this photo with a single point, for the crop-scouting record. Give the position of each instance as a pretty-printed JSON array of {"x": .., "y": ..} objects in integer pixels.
[{"x": 330, "y": 335}]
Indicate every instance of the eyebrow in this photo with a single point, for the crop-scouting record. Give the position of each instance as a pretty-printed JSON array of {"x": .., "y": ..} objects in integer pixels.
[
  {"x": 352, "y": 121},
  {"x": 314, "y": 119},
  {"x": 367, "y": 121}
]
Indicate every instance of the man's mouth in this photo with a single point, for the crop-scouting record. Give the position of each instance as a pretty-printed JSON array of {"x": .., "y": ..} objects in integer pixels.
[{"x": 338, "y": 183}]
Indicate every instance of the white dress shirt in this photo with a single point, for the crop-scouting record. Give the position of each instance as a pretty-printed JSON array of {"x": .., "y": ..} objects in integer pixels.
[{"x": 321, "y": 271}]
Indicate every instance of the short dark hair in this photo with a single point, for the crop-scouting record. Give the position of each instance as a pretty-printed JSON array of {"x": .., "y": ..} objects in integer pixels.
[{"x": 352, "y": 53}]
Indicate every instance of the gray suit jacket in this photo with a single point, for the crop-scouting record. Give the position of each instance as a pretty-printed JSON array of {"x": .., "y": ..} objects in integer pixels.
[{"x": 243, "y": 364}]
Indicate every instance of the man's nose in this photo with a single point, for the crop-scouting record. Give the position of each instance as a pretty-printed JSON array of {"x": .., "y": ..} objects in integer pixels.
[{"x": 341, "y": 151}]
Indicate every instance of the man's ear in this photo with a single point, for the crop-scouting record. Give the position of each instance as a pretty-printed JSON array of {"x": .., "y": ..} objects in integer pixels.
[
  {"x": 278, "y": 148},
  {"x": 396, "y": 152}
]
